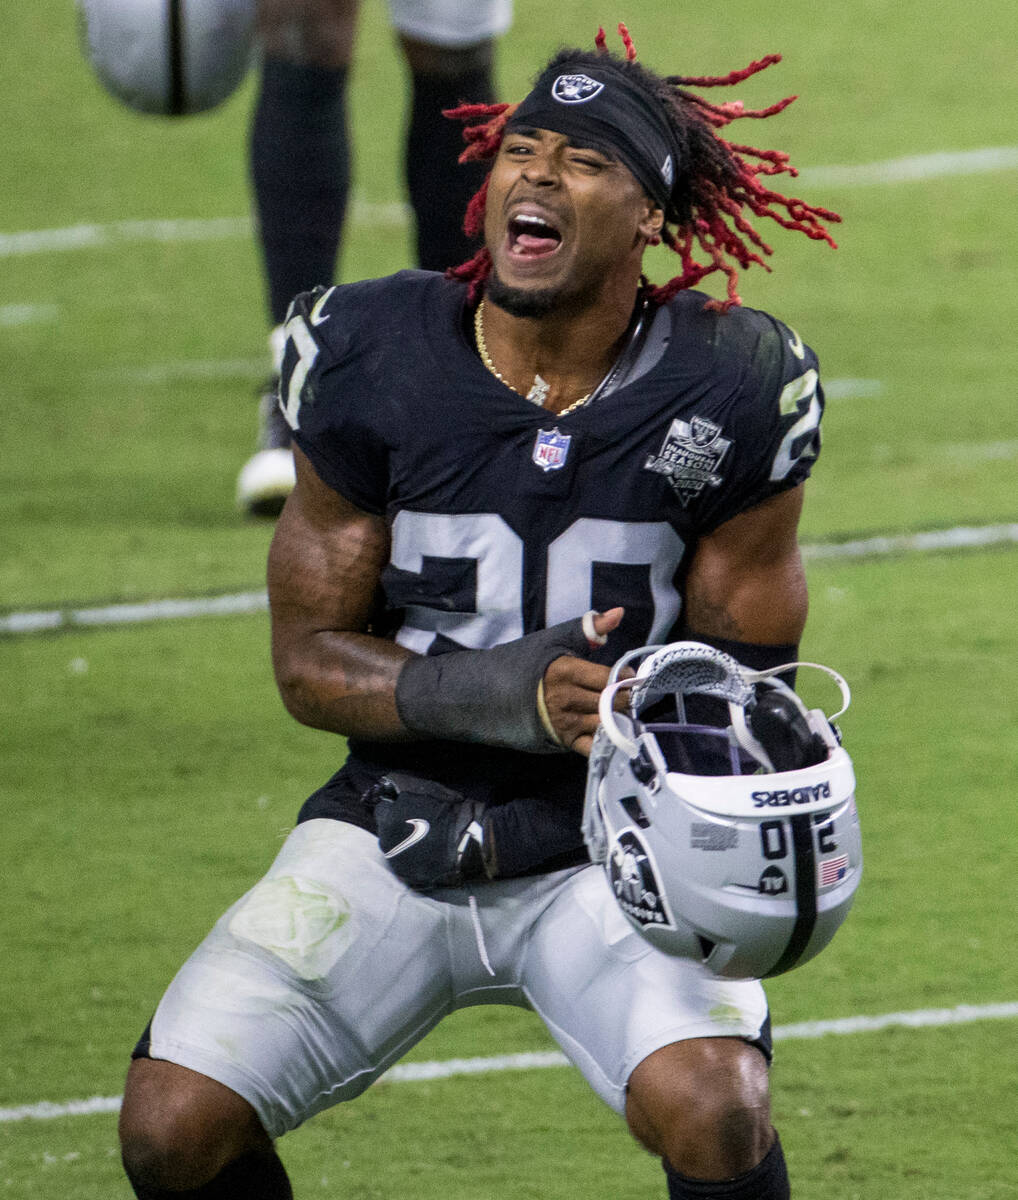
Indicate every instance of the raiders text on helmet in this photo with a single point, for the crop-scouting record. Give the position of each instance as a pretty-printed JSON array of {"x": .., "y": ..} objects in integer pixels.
[
  {"x": 736, "y": 846},
  {"x": 168, "y": 57}
]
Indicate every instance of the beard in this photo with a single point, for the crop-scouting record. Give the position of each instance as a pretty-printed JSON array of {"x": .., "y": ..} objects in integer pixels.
[{"x": 523, "y": 302}]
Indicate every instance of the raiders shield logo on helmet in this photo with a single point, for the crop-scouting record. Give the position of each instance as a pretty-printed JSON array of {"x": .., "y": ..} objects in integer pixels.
[{"x": 635, "y": 883}]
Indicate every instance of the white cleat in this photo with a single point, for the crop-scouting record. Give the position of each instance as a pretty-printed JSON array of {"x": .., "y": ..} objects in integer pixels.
[
  {"x": 268, "y": 477},
  {"x": 265, "y": 481}
]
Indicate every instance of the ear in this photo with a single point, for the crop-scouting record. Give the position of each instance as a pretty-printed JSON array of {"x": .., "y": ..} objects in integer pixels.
[{"x": 652, "y": 223}]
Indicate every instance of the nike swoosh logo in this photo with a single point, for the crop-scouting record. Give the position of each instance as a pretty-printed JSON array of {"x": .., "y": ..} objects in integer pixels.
[
  {"x": 796, "y": 346},
  {"x": 421, "y": 828},
  {"x": 316, "y": 312}
]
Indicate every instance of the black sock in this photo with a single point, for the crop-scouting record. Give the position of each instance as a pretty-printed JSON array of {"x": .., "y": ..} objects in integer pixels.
[
  {"x": 300, "y": 169},
  {"x": 440, "y": 188},
  {"x": 768, "y": 1180},
  {"x": 253, "y": 1176}
]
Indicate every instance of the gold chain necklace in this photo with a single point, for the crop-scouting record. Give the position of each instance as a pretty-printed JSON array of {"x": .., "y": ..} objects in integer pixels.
[{"x": 538, "y": 389}]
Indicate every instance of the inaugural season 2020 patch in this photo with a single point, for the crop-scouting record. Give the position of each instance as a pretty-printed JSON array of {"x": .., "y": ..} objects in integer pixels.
[{"x": 690, "y": 456}]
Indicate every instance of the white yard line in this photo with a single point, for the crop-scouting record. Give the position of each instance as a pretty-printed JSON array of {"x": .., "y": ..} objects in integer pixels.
[
  {"x": 910, "y": 169},
  {"x": 14, "y": 315},
  {"x": 87, "y": 237},
  {"x": 178, "y": 229},
  {"x": 924, "y": 1018},
  {"x": 963, "y": 537},
  {"x": 914, "y": 168},
  {"x": 129, "y": 614},
  {"x": 980, "y": 451},
  {"x": 852, "y": 389},
  {"x": 169, "y": 373}
]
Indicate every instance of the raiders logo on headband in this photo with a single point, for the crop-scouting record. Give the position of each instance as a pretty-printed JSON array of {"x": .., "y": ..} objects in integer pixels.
[
  {"x": 575, "y": 89},
  {"x": 604, "y": 106}
]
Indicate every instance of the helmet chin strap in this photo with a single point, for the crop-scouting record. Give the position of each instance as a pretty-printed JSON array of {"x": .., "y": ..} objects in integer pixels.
[
  {"x": 771, "y": 672},
  {"x": 746, "y": 738}
]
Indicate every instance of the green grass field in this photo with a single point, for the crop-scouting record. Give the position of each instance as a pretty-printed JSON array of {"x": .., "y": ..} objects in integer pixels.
[{"x": 149, "y": 771}]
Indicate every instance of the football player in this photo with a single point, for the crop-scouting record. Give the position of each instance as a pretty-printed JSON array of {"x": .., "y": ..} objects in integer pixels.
[
  {"x": 507, "y": 478},
  {"x": 300, "y": 161}
]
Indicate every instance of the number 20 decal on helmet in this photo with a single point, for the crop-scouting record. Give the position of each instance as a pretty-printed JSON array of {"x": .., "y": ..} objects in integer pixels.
[{"x": 737, "y": 846}]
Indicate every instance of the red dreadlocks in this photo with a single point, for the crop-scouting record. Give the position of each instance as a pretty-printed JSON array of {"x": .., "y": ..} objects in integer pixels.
[{"x": 717, "y": 184}]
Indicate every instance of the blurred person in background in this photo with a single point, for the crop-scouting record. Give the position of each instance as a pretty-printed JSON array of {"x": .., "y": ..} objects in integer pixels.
[{"x": 300, "y": 160}]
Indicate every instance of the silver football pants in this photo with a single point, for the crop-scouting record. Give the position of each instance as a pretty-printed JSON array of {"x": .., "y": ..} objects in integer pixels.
[{"x": 330, "y": 969}]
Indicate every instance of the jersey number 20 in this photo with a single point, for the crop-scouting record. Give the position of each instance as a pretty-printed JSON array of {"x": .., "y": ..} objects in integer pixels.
[{"x": 419, "y": 539}]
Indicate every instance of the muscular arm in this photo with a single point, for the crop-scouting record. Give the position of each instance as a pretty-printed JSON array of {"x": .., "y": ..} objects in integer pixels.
[
  {"x": 746, "y": 581},
  {"x": 324, "y": 567}
]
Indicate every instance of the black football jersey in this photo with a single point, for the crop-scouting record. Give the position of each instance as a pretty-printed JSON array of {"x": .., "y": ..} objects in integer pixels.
[{"x": 506, "y": 518}]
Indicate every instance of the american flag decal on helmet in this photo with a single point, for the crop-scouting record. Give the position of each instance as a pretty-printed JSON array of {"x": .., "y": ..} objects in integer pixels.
[{"x": 832, "y": 870}]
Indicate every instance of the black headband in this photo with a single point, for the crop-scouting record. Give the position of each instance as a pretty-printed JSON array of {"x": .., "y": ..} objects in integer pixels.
[{"x": 599, "y": 103}]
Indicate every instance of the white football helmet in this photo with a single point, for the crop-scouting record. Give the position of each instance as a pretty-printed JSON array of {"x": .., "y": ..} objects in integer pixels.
[
  {"x": 168, "y": 57},
  {"x": 738, "y": 847}
]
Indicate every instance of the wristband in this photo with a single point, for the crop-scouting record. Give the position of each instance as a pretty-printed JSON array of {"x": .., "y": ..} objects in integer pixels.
[{"x": 491, "y": 696}]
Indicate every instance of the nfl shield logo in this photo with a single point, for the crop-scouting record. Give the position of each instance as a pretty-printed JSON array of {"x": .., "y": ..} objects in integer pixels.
[{"x": 550, "y": 449}]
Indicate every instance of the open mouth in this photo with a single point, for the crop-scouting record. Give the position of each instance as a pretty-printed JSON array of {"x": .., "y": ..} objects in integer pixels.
[{"x": 532, "y": 237}]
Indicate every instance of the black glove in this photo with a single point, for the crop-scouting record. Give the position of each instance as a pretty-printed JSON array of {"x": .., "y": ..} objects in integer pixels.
[{"x": 431, "y": 835}]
